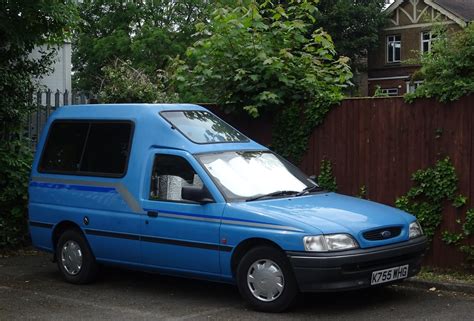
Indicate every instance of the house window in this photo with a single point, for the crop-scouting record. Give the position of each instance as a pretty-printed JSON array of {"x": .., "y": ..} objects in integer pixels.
[
  {"x": 427, "y": 38},
  {"x": 390, "y": 91},
  {"x": 412, "y": 85},
  {"x": 394, "y": 45}
]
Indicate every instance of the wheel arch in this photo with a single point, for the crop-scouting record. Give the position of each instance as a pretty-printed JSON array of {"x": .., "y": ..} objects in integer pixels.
[
  {"x": 247, "y": 244},
  {"x": 61, "y": 228}
]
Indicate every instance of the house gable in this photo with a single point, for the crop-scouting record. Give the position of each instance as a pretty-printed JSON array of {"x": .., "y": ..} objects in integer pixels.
[
  {"x": 406, "y": 14},
  {"x": 407, "y": 34}
]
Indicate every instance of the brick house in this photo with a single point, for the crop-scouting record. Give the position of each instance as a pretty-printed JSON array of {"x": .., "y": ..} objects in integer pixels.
[{"x": 407, "y": 34}]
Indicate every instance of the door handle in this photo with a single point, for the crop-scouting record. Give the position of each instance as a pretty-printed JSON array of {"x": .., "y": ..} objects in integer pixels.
[{"x": 152, "y": 214}]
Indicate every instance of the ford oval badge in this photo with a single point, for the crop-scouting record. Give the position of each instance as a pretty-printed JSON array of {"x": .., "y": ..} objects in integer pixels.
[{"x": 386, "y": 234}]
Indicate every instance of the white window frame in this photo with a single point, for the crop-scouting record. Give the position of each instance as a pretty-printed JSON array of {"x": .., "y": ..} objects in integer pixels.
[
  {"x": 390, "y": 91},
  {"x": 393, "y": 48},
  {"x": 412, "y": 85},
  {"x": 429, "y": 41}
]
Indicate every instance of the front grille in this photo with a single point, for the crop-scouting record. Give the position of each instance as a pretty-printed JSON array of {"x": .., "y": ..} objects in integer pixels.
[{"x": 382, "y": 233}]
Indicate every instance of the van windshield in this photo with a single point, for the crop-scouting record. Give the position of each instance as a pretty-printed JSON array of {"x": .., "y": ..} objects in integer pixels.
[
  {"x": 202, "y": 127},
  {"x": 251, "y": 174}
]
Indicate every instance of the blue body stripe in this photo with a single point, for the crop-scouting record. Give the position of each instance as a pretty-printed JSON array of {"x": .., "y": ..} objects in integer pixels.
[
  {"x": 99, "y": 189},
  {"x": 208, "y": 216}
]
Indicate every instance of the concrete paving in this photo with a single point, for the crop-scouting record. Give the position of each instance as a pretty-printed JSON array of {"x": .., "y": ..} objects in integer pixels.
[{"x": 32, "y": 289}]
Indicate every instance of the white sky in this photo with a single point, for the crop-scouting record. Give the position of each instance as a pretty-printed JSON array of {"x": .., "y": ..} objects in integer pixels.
[{"x": 388, "y": 2}]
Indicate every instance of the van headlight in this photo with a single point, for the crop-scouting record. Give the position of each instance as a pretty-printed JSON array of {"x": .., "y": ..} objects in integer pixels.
[
  {"x": 332, "y": 242},
  {"x": 415, "y": 230}
]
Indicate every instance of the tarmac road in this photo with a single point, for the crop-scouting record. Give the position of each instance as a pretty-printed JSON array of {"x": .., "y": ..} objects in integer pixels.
[{"x": 32, "y": 289}]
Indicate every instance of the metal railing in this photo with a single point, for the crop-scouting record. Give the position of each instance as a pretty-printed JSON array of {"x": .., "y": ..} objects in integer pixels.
[{"x": 46, "y": 102}]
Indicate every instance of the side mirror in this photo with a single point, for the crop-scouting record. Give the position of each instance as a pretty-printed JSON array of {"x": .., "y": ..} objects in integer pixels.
[
  {"x": 313, "y": 178},
  {"x": 196, "y": 194}
]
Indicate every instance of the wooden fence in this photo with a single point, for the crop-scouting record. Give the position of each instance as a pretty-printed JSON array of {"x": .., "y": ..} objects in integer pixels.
[{"x": 379, "y": 142}]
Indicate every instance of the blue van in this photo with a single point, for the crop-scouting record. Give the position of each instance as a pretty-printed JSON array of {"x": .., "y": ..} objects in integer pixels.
[{"x": 174, "y": 189}]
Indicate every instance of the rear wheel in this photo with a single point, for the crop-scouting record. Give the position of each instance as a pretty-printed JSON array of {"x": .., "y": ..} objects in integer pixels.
[
  {"x": 75, "y": 259},
  {"x": 265, "y": 279}
]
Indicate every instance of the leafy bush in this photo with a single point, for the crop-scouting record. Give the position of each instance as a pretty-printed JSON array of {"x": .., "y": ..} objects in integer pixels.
[
  {"x": 259, "y": 57},
  {"x": 124, "y": 84},
  {"x": 433, "y": 186},
  {"x": 15, "y": 164},
  {"x": 448, "y": 71},
  {"x": 266, "y": 58},
  {"x": 326, "y": 179}
]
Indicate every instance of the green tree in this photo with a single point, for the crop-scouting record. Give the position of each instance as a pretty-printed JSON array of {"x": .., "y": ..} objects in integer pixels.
[
  {"x": 266, "y": 57},
  {"x": 260, "y": 57},
  {"x": 354, "y": 25},
  {"x": 23, "y": 26},
  {"x": 146, "y": 33},
  {"x": 448, "y": 70}
]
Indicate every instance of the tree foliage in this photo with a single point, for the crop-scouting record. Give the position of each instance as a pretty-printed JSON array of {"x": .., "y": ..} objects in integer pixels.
[
  {"x": 124, "y": 84},
  {"x": 146, "y": 33},
  {"x": 23, "y": 26},
  {"x": 260, "y": 57},
  {"x": 448, "y": 70},
  {"x": 354, "y": 25},
  {"x": 266, "y": 57}
]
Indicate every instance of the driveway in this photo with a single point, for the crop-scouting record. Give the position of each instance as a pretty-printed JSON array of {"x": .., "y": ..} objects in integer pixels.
[{"x": 32, "y": 289}]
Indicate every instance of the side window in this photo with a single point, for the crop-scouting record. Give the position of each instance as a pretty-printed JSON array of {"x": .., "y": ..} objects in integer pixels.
[
  {"x": 93, "y": 148},
  {"x": 64, "y": 147},
  {"x": 170, "y": 173},
  {"x": 107, "y": 148}
]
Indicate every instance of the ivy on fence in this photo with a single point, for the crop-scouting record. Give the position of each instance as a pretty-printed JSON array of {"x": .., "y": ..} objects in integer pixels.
[
  {"x": 326, "y": 179},
  {"x": 434, "y": 187}
]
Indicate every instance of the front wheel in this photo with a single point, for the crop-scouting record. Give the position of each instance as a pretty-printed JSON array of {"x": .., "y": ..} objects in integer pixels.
[
  {"x": 75, "y": 259},
  {"x": 265, "y": 279}
]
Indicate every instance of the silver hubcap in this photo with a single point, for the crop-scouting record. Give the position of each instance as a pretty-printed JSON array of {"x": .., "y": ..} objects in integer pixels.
[
  {"x": 265, "y": 280},
  {"x": 71, "y": 257}
]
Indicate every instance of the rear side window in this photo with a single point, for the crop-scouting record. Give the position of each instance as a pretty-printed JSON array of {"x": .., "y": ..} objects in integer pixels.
[
  {"x": 87, "y": 148},
  {"x": 107, "y": 148},
  {"x": 64, "y": 147}
]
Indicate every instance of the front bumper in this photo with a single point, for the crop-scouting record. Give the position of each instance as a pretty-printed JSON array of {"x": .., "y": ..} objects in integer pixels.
[{"x": 334, "y": 271}]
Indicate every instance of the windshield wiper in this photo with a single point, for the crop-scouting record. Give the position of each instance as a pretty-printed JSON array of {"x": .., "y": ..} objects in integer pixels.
[
  {"x": 309, "y": 189},
  {"x": 273, "y": 194}
]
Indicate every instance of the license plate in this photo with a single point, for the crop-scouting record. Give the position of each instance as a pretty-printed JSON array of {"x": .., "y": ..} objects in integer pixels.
[{"x": 387, "y": 275}]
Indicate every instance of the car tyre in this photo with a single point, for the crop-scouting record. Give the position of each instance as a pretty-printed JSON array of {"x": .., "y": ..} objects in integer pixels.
[
  {"x": 265, "y": 280},
  {"x": 75, "y": 259}
]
